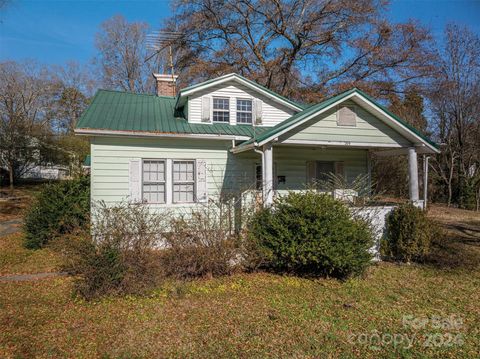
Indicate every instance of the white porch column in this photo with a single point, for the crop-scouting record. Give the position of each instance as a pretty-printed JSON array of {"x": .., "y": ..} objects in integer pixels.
[
  {"x": 413, "y": 174},
  {"x": 268, "y": 172}
]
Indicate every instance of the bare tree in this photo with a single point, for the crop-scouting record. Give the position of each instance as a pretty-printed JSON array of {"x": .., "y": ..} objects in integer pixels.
[
  {"x": 122, "y": 54},
  {"x": 456, "y": 105},
  {"x": 74, "y": 87},
  {"x": 390, "y": 173},
  {"x": 299, "y": 47},
  {"x": 26, "y": 92}
]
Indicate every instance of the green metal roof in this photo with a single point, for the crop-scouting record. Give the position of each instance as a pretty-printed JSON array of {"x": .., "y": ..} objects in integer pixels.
[
  {"x": 253, "y": 83},
  {"x": 125, "y": 111},
  {"x": 298, "y": 117}
]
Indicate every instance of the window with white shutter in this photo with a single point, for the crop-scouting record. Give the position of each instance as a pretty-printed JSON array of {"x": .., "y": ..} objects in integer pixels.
[
  {"x": 221, "y": 110},
  {"x": 183, "y": 181},
  {"x": 244, "y": 111},
  {"x": 153, "y": 189}
]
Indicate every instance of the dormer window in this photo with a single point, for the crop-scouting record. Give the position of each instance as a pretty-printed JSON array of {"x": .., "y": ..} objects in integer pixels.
[
  {"x": 244, "y": 111},
  {"x": 221, "y": 110}
]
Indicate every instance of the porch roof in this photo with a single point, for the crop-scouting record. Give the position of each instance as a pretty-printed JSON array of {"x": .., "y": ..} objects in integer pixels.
[{"x": 317, "y": 109}]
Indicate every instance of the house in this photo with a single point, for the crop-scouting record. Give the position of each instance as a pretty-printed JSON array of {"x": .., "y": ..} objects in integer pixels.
[
  {"x": 231, "y": 135},
  {"x": 47, "y": 172}
]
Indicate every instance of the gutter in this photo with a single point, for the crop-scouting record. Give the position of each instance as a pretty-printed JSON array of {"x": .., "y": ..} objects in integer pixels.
[
  {"x": 238, "y": 149},
  {"x": 95, "y": 132}
]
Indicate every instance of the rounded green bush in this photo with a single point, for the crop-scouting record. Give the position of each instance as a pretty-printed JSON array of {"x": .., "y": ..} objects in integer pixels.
[
  {"x": 409, "y": 234},
  {"x": 58, "y": 209},
  {"x": 311, "y": 233}
]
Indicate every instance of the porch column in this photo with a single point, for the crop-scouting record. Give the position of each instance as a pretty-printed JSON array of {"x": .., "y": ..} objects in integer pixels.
[
  {"x": 413, "y": 174},
  {"x": 268, "y": 172}
]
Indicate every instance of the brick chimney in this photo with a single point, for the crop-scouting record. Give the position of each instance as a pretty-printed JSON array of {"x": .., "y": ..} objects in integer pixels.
[{"x": 165, "y": 84}]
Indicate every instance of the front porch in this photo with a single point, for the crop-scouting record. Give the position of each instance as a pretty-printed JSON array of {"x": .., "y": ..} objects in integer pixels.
[
  {"x": 338, "y": 136},
  {"x": 280, "y": 168}
]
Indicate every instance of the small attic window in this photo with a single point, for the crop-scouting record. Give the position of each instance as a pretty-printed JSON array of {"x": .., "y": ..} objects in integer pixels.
[{"x": 346, "y": 116}]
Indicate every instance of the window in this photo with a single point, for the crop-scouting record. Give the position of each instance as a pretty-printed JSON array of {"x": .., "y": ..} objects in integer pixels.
[
  {"x": 259, "y": 176},
  {"x": 244, "y": 111},
  {"x": 319, "y": 172},
  {"x": 323, "y": 170},
  {"x": 183, "y": 181},
  {"x": 153, "y": 188},
  {"x": 221, "y": 110}
]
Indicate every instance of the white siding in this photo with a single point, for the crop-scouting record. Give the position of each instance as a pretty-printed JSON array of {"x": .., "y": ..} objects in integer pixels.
[{"x": 272, "y": 111}]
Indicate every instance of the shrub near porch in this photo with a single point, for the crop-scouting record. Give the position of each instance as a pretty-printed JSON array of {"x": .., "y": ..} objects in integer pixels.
[{"x": 311, "y": 233}]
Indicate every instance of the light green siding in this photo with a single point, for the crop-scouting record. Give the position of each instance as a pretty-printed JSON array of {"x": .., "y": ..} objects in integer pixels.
[
  {"x": 226, "y": 172},
  {"x": 291, "y": 162},
  {"x": 111, "y": 156},
  {"x": 368, "y": 129}
]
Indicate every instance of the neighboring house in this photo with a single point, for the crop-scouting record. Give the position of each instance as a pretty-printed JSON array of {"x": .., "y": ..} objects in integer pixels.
[
  {"x": 47, "y": 172},
  {"x": 231, "y": 135},
  {"x": 32, "y": 165}
]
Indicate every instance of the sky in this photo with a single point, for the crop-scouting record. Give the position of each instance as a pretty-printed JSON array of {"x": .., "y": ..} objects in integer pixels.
[{"x": 57, "y": 31}]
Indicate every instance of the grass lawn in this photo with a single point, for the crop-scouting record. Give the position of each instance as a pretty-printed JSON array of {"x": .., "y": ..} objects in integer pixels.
[
  {"x": 23, "y": 194},
  {"x": 256, "y": 315}
]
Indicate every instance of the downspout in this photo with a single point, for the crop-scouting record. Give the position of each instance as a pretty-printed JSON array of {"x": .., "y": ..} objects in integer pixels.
[{"x": 425, "y": 180}]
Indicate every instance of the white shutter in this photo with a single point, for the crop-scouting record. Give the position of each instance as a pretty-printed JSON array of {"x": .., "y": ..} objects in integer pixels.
[
  {"x": 311, "y": 172},
  {"x": 206, "y": 109},
  {"x": 168, "y": 181},
  {"x": 202, "y": 189},
  {"x": 258, "y": 111},
  {"x": 135, "y": 180}
]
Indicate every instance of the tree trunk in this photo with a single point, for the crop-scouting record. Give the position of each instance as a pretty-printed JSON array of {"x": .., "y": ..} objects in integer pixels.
[
  {"x": 478, "y": 200},
  {"x": 10, "y": 174}
]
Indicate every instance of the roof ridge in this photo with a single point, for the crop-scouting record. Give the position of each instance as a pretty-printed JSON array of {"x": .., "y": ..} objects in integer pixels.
[
  {"x": 240, "y": 77},
  {"x": 136, "y": 93}
]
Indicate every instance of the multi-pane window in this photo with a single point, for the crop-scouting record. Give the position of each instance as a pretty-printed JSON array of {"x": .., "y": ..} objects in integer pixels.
[
  {"x": 221, "y": 110},
  {"x": 183, "y": 181},
  {"x": 244, "y": 111},
  {"x": 153, "y": 190}
]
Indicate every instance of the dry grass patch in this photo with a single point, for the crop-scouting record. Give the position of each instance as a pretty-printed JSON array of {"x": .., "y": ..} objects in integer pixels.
[
  {"x": 249, "y": 315},
  {"x": 16, "y": 259},
  {"x": 13, "y": 205},
  {"x": 242, "y": 316},
  {"x": 459, "y": 246}
]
